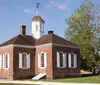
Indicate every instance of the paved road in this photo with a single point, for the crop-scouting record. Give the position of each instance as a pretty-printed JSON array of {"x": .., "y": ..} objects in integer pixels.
[{"x": 43, "y": 83}]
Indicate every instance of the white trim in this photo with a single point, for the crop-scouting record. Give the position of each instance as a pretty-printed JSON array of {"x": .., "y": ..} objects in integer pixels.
[
  {"x": 28, "y": 61},
  {"x": 75, "y": 60},
  {"x": 23, "y": 46},
  {"x": 65, "y": 60},
  {"x": 7, "y": 46},
  {"x": 48, "y": 44},
  {"x": 69, "y": 60},
  {"x": 58, "y": 60},
  {"x": 61, "y": 45},
  {"x": 20, "y": 60}
]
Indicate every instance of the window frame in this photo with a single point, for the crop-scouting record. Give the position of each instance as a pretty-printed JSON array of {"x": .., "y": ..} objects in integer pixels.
[
  {"x": 28, "y": 62},
  {"x": 24, "y": 61},
  {"x": 45, "y": 60},
  {"x": 6, "y": 63},
  {"x": 74, "y": 60},
  {"x": 64, "y": 59}
]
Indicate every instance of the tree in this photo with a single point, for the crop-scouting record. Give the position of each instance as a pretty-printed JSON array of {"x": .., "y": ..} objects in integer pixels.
[{"x": 84, "y": 30}]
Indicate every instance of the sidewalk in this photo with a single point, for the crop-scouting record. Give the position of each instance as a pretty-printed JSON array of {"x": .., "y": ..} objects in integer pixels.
[{"x": 43, "y": 83}]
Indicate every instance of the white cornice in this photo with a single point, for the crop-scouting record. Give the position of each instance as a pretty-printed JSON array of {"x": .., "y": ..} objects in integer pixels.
[{"x": 49, "y": 44}]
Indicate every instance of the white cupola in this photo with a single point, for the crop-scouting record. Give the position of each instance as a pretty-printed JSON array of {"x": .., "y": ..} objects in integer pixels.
[{"x": 37, "y": 26}]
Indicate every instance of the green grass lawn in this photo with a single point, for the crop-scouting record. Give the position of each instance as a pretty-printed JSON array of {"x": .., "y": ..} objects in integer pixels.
[
  {"x": 15, "y": 84},
  {"x": 91, "y": 79}
]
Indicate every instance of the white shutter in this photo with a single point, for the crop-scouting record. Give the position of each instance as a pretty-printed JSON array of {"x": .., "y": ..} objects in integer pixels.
[
  {"x": 3, "y": 61},
  {"x": 39, "y": 61},
  {"x": 58, "y": 60},
  {"x": 75, "y": 60},
  {"x": 0, "y": 61},
  {"x": 64, "y": 59},
  {"x": 69, "y": 59},
  {"x": 20, "y": 60},
  {"x": 28, "y": 61},
  {"x": 45, "y": 60},
  {"x": 8, "y": 60}
]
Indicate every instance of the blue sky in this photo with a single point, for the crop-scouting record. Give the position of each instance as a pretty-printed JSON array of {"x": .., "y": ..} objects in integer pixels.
[{"x": 14, "y": 13}]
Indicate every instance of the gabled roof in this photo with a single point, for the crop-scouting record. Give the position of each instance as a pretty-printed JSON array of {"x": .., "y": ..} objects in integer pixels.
[
  {"x": 52, "y": 38},
  {"x": 20, "y": 40},
  {"x": 38, "y": 18}
]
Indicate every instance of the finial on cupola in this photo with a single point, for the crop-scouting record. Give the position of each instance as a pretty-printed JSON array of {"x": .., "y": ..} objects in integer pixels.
[{"x": 37, "y": 8}]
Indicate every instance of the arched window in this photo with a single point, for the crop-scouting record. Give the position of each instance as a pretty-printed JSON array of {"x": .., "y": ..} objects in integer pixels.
[
  {"x": 61, "y": 59},
  {"x": 42, "y": 60},
  {"x": 24, "y": 60},
  {"x": 72, "y": 60}
]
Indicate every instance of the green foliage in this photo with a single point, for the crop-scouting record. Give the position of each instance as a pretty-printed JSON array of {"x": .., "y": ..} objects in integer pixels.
[{"x": 84, "y": 30}]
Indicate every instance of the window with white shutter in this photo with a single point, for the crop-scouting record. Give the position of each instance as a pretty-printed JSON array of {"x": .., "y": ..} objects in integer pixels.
[
  {"x": 72, "y": 59},
  {"x": 42, "y": 60},
  {"x": 61, "y": 60},
  {"x": 24, "y": 60}
]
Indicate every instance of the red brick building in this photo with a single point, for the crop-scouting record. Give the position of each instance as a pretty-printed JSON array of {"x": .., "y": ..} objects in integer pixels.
[{"x": 26, "y": 56}]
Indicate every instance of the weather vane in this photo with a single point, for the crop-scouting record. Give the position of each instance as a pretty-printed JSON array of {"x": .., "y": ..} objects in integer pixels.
[{"x": 37, "y": 8}]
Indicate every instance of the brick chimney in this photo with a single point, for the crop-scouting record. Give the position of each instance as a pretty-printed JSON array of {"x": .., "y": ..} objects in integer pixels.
[
  {"x": 50, "y": 32},
  {"x": 23, "y": 30}
]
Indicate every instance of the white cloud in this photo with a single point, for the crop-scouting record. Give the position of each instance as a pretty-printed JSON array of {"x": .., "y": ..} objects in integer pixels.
[
  {"x": 48, "y": 6},
  {"x": 58, "y": 4},
  {"x": 30, "y": 11},
  {"x": 62, "y": 6},
  {"x": 52, "y": 2}
]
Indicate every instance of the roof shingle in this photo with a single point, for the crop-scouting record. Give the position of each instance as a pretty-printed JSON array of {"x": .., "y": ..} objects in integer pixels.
[
  {"x": 38, "y": 18},
  {"x": 21, "y": 40}
]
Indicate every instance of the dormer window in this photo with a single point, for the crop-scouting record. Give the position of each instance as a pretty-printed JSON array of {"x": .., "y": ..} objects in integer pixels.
[
  {"x": 41, "y": 27},
  {"x": 36, "y": 27}
]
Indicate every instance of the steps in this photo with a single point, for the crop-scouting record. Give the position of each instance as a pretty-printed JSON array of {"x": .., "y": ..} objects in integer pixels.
[{"x": 39, "y": 76}]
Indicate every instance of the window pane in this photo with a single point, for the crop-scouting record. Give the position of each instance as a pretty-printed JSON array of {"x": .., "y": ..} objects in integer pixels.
[
  {"x": 72, "y": 60},
  {"x": 6, "y": 61},
  {"x": 24, "y": 61},
  {"x": 42, "y": 60},
  {"x": 61, "y": 59}
]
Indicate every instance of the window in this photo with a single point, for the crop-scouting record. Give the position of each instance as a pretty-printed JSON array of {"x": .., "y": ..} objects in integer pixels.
[
  {"x": 6, "y": 60},
  {"x": 41, "y": 27},
  {"x": 36, "y": 27},
  {"x": 61, "y": 60},
  {"x": 42, "y": 62},
  {"x": 24, "y": 60},
  {"x": 72, "y": 60}
]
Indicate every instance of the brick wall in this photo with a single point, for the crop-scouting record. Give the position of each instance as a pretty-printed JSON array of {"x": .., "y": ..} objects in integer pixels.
[
  {"x": 7, "y": 73},
  {"x": 23, "y": 73},
  {"x": 65, "y": 72},
  {"x": 48, "y": 69}
]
